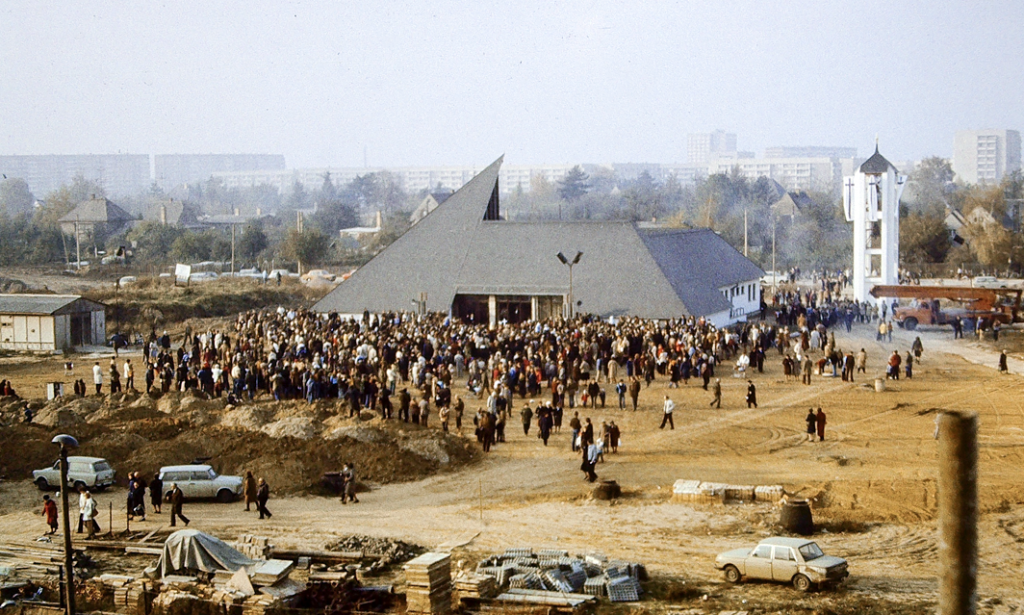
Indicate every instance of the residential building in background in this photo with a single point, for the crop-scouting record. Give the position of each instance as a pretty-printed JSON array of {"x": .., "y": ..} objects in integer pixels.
[
  {"x": 702, "y": 147},
  {"x": 171, "y": 170},
  {"x": 985, "y": 156},
  {"x": 820, "y": 173},
  {"x": 119, "y": 174},
  {"x": 810, "y": 151}
]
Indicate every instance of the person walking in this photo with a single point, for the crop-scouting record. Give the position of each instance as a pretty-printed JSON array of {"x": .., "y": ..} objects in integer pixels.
[
  {"x": 50, "y": 512},
  {"x": 262, "y": 495},
  {"x": 177, "y": 500},
  {"x": 129, "y": 375},
  {"x": 812, "y": 422},
  {"x": 634, "y": 391},
  {"x": 156, "y": 493},
  {"x": 918, "y": 348},
  {"x": 805, "y": 369},
  {"x": 820, "y": 421},
  {"x": 909, "y": 365},
  {"x": 97, "y": 377},
  {"x": 667, "y": 409},
  {"x": 544, "y": 422},
  {"x": 862, "y": 361},
  {"x": 1003, "y": 368},
  {"x": 527, "y": 416},
  {"x": 348, "y": 474},
  {"x": 575, "y": 425},
  {"x": 751, "y": 394},
  {"x": 620, "y": 390},
  {"x": 89, "y": 514},
  {"x": 717, "y": 401},
  {"x": 249, "y": 490},
  {"x": 81, "y": 509}
]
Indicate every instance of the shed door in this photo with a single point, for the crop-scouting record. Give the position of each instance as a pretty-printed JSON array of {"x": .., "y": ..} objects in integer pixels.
[
  {"x": 20, "y": 329},
  {"x": 34, "y": 331},
  {"x": 46, "y": 334}
]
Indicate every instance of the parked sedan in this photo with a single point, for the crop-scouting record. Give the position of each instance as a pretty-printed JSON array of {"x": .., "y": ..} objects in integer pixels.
[
  {"x": 318, "y": 275},
  {"x": 201, "y": 481},
  {"x": 92, "y": 472},
  {"x": 785, "y": 560}
]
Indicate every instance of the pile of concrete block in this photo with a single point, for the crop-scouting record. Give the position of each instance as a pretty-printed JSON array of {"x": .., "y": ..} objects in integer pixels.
[
  {"x": 473, "y": 585},
  {"x": 253, "y": 547},
  {"x": 702, "y": 491},
  {"x": 428, "y": 580},
  {"x": 557, "y": 572}
]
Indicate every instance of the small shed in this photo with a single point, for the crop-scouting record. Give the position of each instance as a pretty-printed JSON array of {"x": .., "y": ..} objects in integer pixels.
[{"x": 50, "y": 322}]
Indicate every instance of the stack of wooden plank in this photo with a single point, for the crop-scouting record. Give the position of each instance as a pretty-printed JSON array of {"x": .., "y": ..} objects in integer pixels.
[
  {"x": 428, "y": 581},
  {"x": 472, "y": 585},
  {"x": 31, "y": 560}
]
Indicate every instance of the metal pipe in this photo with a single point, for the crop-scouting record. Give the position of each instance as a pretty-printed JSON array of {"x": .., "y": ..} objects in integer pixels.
[{"x": 958, "y": 512}]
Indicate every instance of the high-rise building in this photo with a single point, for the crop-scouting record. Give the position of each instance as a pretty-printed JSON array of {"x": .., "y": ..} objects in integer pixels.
[
  {"x": 985, "y": 156},
  {"x": 702, "y": 147},
  {"x": 170, "y": 170},
  {"x": 119, "y": 174}
]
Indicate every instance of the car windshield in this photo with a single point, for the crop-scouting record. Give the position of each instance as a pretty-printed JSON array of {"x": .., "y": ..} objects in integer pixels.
[
  {"x": 211, "y": 474},
  {"x": 811, "y": 551},
  {"x": 101, "y": 466}
]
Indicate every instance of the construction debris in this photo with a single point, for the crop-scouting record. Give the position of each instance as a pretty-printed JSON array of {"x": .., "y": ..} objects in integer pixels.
[{"x": 554, "y": 572}]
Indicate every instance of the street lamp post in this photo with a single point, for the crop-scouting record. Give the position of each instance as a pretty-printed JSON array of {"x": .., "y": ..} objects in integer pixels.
[
  {"x": 570, "y": 264},
  {"x": 66, "y": 442}
]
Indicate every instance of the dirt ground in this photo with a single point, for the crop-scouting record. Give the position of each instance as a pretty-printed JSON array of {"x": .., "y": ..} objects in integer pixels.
[{"x": 872, "y": 484}]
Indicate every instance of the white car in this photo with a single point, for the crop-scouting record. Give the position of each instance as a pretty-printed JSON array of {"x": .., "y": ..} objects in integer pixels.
[
  {"x": 127, "y": 280},
  {"x": 201, "y": 481},
  {"x": 774, "y": 277},
  {"x": 318, "y": 275},
  {"x": 988, "y": 281},
  {"x": 202, "y": 276},
  {"x": 250, "y": 273},
  {"x": 92, "y": 472},
  {"x": 284, "y": 273}
]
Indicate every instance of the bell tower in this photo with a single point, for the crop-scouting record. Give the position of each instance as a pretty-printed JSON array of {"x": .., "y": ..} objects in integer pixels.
[{"x": 871, "y": 199}]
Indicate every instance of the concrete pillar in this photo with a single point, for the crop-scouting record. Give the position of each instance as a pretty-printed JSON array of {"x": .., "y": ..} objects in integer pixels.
[
  {"x": 534, "y": 308},
  {"x": 492, "y": 311}
]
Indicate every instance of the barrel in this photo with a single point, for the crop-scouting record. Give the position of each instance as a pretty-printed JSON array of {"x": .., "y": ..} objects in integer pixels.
[
  {"x": 796, "y": 517},
  {"x": 607, "y": 490},
  {"x": 879, "y": 385}
]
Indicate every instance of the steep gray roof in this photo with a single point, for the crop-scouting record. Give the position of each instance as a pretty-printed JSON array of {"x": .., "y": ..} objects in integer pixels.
[
  {"x": 97, "y": 210},
  {"x": 45, "y": 304},
  {"x": 876, "y": 164},
  {"x": 652, "y": 273}
]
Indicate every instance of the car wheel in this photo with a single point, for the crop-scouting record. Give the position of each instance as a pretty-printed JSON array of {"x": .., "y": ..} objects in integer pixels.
[
  {"x": 732, "y": 574},
  {"x": 802, "y": 583},
  {"x": 79, "y": 485},
  {"x": 910, "y": 324},
  {"x": 42, "y": 484},
  {"x": 225, "y": 496}
]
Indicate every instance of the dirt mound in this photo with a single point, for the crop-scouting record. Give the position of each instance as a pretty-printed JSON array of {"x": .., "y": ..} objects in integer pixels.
[
  {"x": 56, "y": 416},
  {"x": 299, "y": 427},
  {"x": 250, "y": 418}
]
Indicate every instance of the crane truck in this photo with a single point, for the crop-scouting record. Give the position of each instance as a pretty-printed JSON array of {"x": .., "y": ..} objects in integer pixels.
[{"x": 988, "y": 304}]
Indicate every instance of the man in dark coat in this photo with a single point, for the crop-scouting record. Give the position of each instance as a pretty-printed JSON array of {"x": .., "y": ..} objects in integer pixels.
[
  {"x": 177, "y": 499},
  {"x": 820, "y": 421},
  {"x": 751, "y": 394},
  {"x": 812, "y": 422},
  {"x": 262, "y": 495},
  {"x": 527, "y": 415}
]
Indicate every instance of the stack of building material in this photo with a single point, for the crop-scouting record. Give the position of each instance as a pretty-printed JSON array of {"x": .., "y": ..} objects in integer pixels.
[
  {"x": 253, "y": 547},
  {"x": 428, "y": 581},
  {"x": 698, "y": 491},
  {"x": 545, "y": 598},
  {"x": 768, "y": 493},
  {"x": 271, "y": 571},
  {"x": 472, "y": 585},
  {"x": 592, "y": 574}
]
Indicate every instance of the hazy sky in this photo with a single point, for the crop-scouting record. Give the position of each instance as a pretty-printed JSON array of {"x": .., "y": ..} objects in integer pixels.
[{"x": 463, "y": 82}]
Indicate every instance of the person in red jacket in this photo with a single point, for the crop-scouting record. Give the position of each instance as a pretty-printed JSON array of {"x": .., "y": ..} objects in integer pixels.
[{"x": 50, "y": 512}]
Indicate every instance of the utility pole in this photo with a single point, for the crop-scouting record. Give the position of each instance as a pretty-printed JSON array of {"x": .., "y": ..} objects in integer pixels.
[
  {"x": 773, "y": 252},
  {"x": 78, "y": 245},
  {"x": 958, "y": 513},
  {"x": 232, "y": 249}
]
